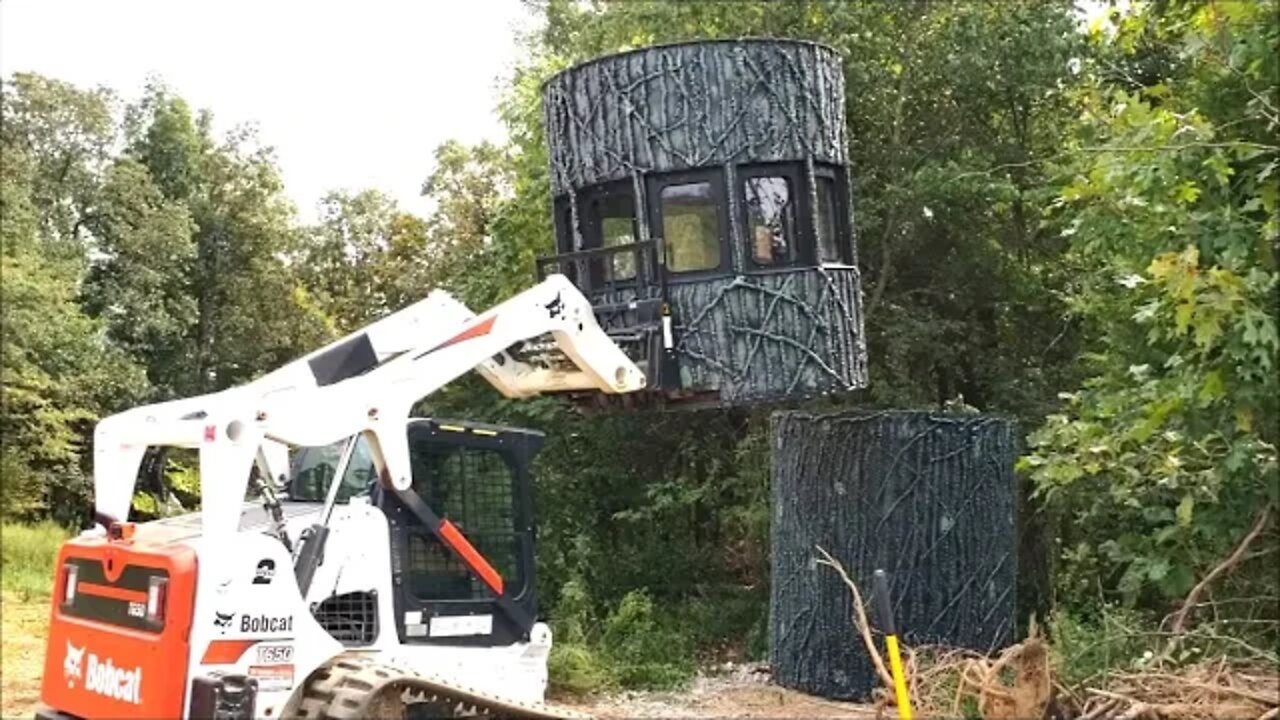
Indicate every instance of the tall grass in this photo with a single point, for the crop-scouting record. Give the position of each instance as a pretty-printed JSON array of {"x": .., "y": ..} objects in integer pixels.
[{"x": 27, "y": 554}]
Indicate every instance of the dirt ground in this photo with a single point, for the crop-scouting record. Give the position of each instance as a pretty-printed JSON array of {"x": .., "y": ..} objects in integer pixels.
[
  {"x": 738, "y": 692},
  {"x": 733, "y": 691},
  {"x": 22, "y": 659}
]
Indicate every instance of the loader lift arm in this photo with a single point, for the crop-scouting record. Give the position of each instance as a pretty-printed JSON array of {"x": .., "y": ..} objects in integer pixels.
[
  {"x": 543, "y": 340},
  {"x": 362, "y": 387}
]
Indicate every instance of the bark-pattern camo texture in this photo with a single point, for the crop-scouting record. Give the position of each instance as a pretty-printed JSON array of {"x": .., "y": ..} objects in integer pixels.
[
  {"x": 761, "y": 337},
  {"x": 741, "y": 336},
  {"x": 929, "y": 498},
  {"x": 753, "y": 338},
  {"x": 701, "y": 104}
]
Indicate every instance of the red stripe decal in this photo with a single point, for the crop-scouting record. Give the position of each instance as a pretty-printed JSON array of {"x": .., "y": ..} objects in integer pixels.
[
  {"x": 225, "y": 652},
  {"x": 478, "y": 330},
  {"x": 114, "y": 593},
  {"x": 471, "y": 556}
]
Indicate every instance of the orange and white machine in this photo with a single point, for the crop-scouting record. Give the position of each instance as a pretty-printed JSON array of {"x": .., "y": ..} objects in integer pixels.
[{"x": 385, "y": 566}]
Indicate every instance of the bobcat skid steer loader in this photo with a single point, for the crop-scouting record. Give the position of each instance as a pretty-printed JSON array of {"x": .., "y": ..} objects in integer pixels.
[{"x": 386, "y": 572}]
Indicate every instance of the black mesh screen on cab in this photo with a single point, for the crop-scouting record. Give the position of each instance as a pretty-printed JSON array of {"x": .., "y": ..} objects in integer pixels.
[{"x": 472, "y": 488}]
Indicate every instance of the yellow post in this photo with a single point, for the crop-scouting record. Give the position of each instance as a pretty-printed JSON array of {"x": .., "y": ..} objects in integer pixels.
[
  {"x": 884, "y": 609},
  {"x": 899, "y": 680}
]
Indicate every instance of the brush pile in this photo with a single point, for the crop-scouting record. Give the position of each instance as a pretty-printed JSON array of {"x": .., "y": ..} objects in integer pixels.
[{"x": 1020, "y": 682}]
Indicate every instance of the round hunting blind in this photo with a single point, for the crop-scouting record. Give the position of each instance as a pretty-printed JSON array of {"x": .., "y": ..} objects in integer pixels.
[
  {"x": 701, "y": 200},
  {"x": 930, "y": 499}
]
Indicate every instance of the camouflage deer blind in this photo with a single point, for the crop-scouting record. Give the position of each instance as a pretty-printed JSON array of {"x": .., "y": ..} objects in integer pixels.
[
  {"x": 701, "y": 199},
  {"x": 928, "y": 498}
]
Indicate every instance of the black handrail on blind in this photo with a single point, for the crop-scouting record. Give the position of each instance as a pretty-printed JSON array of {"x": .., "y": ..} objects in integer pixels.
[{"x": 647, "y": 255}]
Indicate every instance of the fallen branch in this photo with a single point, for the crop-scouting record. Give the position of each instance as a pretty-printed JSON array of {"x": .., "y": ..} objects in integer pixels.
[
  {"x": 859, "y": 617},
  {"x": 1211, "y": 689},
  {"x": 1216, "y": 688},
  {"x": 1180, "y": 619},
  {"x": 1102, "y": 708}
]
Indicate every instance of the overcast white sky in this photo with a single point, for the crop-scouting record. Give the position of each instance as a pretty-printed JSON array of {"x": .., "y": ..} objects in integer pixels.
[{"x": 351, "y": 94}]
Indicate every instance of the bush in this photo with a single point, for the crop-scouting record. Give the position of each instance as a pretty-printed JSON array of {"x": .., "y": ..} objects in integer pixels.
[
  {"x": 574, "y": 616},
  {"x": 728, "y": 623},
  {"x": 29, "y": 553},
  {"x": 575, "y": 668},
  {"x": 642, "y": 652},
  {"x": 1089, "y": 646},
  {"x": 631, "y": 648}
]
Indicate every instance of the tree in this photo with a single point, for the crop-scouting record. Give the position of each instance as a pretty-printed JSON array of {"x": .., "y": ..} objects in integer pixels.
[
  {"x": 65, "y": 136},
  {"x": 364, "y": 259},
  {"x": 140, "y": 282},
  {"x": 1162, "y": 461},
  {"x": 59, "y": 372},
  {"x": 250, "y": 312},
  {"x": 471, "y": 187}
]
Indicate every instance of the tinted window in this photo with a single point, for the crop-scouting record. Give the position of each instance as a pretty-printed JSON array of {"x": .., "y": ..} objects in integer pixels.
[
  {"x": 770, "y": 219},
  {"x": 566, "y": 225},
  {"x": 616, "y": 215},
  {"x": 315, "y": 467},
  {"x": 690, "y": 227},
  {"x": 828, "y": 243}
]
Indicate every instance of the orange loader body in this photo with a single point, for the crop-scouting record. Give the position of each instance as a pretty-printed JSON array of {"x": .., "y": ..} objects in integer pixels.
[{"x": 119, "y": 631}]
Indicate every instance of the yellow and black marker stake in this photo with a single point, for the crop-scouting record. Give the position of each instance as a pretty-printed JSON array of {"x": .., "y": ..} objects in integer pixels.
[{"x": 884, "y": 612}]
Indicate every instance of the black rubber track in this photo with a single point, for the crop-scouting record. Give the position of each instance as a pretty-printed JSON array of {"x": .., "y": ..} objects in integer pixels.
[{"x": 354, "y": 686}]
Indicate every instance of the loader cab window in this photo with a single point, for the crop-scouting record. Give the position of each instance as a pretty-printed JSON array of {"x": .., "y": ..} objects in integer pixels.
[
  {"x": 473, "y": 489},
  {"x": 314, "y": 468}
]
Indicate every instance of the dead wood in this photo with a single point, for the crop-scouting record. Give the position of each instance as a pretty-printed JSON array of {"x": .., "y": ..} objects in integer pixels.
[{"x": 1180, "y": 619}]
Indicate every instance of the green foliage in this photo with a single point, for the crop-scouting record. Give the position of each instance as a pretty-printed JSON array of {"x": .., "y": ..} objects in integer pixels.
[
  {"x": 1038, "y": 211},
  {"x": 58, "y": 138},
  {"x": 576, "y": 669},
  {"x": 1087, "y": 647},
  {"x": 139, "y": 285},
  {"x": 153, "y": 272},
  {"x": 1161, "y": 462},
  {"x": 727, "y": 623},
  {"x": 27, "y": 557},
  {"x": 176, "y": 493},
  {"x": 1089, "y": 644},
  {"x": 58, "y": 371},
  {"x": 643, "y": 652},
  {"x": 631, "y": 646},
  {"x": 363, "y": 259}
]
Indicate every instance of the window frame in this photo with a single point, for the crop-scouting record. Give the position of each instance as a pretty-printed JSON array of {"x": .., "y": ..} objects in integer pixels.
[
  {"x": 593, "y": 229},
  {"x": 657, "y": 182},
  {"x": 562, "y": 219},
  {"x": 793, "y": 173},
  {"x": 840, "y": 221}
]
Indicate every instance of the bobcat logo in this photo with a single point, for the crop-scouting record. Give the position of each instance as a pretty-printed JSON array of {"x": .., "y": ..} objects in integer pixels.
[
  {"x": 223, "y": 620},
  {"x": 554, "y": 307},
  {"x": 72, "y": 664}
]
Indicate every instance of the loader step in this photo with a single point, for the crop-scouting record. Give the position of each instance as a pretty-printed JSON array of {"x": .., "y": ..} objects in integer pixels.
[{"x": 354, "y": 685}]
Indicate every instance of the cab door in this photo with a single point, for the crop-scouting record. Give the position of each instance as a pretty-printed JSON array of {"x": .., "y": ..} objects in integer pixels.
[{"x": 462, "y": 537}]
